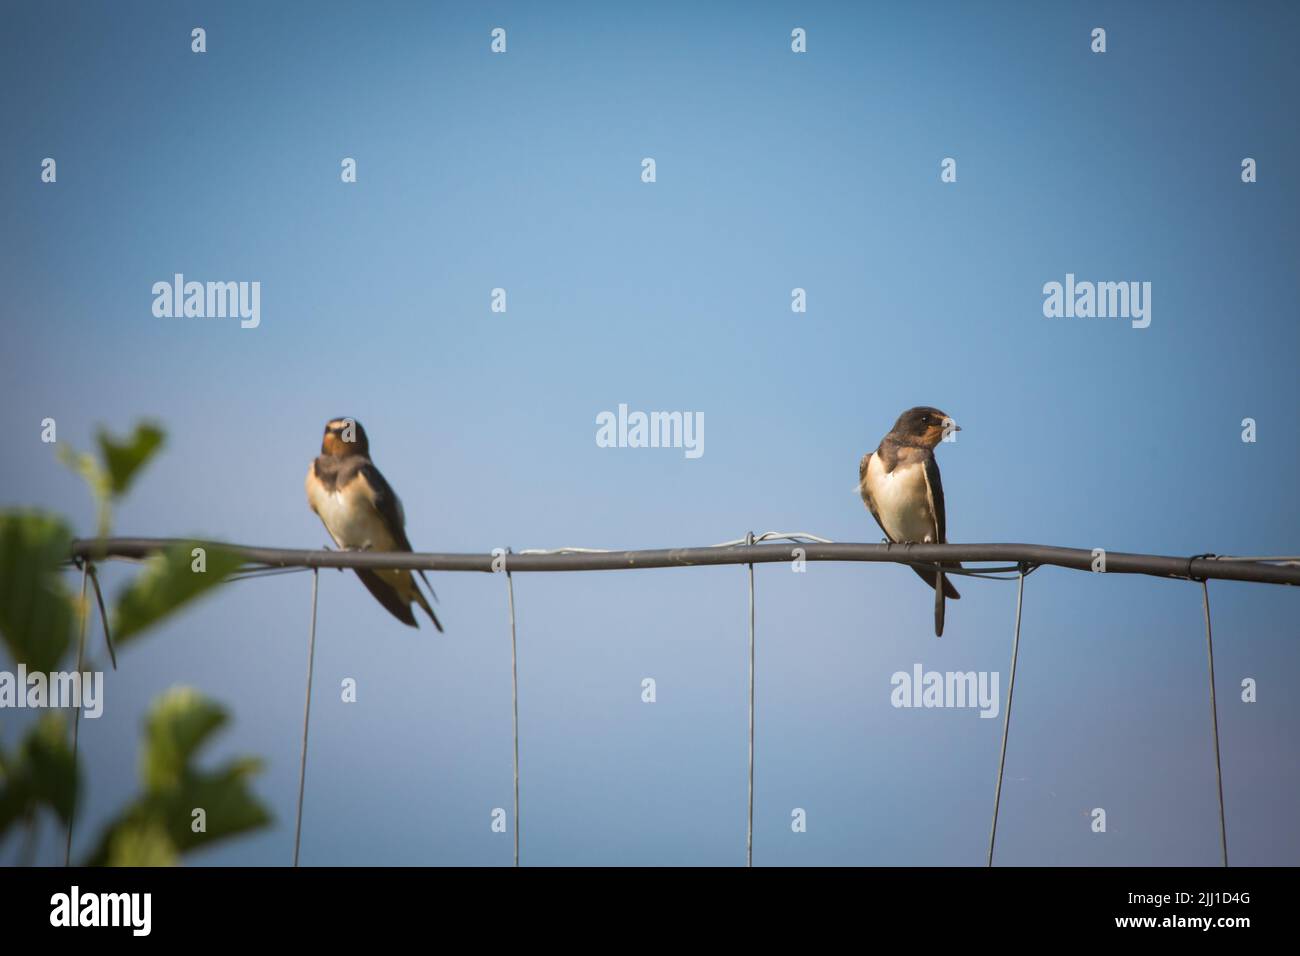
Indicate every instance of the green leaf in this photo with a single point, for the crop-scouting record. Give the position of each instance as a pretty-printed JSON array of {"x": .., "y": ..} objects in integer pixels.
[
  {"x": 226, "y": 799},
  {"x": 51, "y": 766},
  {"x": 36, "y": 611},
  {"x": 169, "y": 581},
  {"x": 142, "y": 843},
  {"x": 15, "y": 791},
  {"x": 96, "y": 480},
  {"x": 41, "y": 773},
  {"x": 123, "y": 459},
  {"x": 161, "y": 823},
  {"x": 85, "y": 464},
  {"x": 181, "y": 721}
]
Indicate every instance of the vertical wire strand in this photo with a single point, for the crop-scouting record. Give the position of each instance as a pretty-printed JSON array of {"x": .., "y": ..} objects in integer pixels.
[
  {"x": 749, "y": 827},
  {"x": 1006, "y": 718},
  {"x": 306, "y": 715},
  {"x": 76, "y": 713},
  {"x": 514, "y": 699},
  {"x": 1214, "y": 718},
  {"x": 103, "y": 616}
]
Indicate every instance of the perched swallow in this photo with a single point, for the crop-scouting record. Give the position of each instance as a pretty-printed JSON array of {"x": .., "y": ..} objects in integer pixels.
[
  {"x": 900, "y": 484},
  {"x": 362, "y": 512}
]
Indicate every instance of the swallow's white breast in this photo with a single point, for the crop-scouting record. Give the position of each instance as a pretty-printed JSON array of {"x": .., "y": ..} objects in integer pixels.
[
  {"x": 350, "y": 518},
  {"x": 902, "y": 499}
]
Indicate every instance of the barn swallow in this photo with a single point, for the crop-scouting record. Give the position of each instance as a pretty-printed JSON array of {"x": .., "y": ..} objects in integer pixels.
[
  {"x": 361, "y": 511},
  {"x": 900, "y": 484}
]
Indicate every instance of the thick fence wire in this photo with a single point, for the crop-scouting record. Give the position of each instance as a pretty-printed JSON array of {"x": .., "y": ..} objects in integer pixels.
[{"x": 1010, "y": 562}]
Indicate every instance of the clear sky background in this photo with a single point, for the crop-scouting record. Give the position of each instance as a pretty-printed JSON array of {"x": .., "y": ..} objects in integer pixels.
[{"x": 775, "y": 171}]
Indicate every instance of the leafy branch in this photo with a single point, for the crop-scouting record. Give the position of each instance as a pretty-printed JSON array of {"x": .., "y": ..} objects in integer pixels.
[{"x": 181, "y": 807}]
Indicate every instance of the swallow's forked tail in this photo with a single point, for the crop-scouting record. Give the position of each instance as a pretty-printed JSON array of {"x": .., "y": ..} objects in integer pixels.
[
  {"x": 927, "y": 575},
  {"x": 943, "y": 589},
  {"x": 419, "y": 597},
  {"x": 387, "y": 595}
]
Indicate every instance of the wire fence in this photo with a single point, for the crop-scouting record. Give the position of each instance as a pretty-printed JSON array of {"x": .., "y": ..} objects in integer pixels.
[{"x": 1008, "y": 562}]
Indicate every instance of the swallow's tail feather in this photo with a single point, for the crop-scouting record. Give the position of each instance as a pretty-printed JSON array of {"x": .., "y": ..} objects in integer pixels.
[
  {"x": 386, "y": 595},
  {"x": 427, "y": 584},
  {"x": 939, "y": 599},
  {"x": 423, "y": 602},
  {"x": 943, "y": 589},
  {"x": 927, "y": 575}
]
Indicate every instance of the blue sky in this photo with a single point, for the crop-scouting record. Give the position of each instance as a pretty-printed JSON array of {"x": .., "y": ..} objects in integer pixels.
[{"x": 774, "y": 171}]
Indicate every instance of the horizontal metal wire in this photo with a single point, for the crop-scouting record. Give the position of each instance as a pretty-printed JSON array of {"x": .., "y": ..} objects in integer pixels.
[{"x": 1196, "y": 568}]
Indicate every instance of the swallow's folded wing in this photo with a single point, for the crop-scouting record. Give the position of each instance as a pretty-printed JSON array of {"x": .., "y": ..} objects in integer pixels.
[{"x": 386, "y": 503}]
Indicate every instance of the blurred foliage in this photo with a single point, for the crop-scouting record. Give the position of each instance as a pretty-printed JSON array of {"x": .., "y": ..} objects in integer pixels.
[
  {"x": 41, "y": 773},
  {"x": 36, "y": 610},
  {"x": 122, "y": 460},
  {"x": 169, "y": 580},
  {"x": 161, "y": 824},
  {"x": 109, "y": 475},
  {"x": 38, "y": 616}
]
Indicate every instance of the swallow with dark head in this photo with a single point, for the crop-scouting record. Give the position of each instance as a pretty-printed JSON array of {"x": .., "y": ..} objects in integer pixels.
[
  {"x": 361, "y": 511},
  {"x": 900, "y": 484}
]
